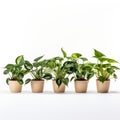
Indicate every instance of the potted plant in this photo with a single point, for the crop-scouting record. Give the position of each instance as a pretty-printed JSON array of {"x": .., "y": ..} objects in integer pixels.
[
  {"x": 104, "y": 70},
  {"x": 59, "y": 75},
  {"x": 38, "y": 73},
  {"x": 16, "y": 74},
  {"x": 82, "y": 71}
]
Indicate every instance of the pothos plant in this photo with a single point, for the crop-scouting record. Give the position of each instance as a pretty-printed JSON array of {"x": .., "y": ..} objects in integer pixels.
[
  {"x": 105, "y": 67},
  {"x": 60, "y": 72},
  {"x": 37, "y": 70},
  {"x": 79, "y": 66},
  {"x": 16, "y": 71},
  {"x": 56, "y": 67}
]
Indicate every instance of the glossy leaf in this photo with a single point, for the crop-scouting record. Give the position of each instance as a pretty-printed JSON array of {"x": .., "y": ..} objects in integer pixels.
[
  {"x": 59, "y": 82},
  {"x": 28, "y": 65},
  {"x": 20, "y": 60}
]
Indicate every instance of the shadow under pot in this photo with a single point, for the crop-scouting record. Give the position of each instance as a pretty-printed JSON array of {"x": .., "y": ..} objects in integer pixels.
[
  {"x": 58, "y": 89},
  {"x": 37, "y": 86},
  {"x": 81, "y": 86},
  {"x": 15, "y": 86},
  {"x": 103, "y": 87}
]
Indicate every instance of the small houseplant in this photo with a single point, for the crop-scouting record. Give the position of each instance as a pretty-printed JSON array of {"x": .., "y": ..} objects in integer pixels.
[
  {"x": 104, "y": 70},
  {"x": 16, "y": 74},
  {"x": 82, "y": 71},
  {"x": 59, "y": 75},
  {"x": 38, "y": 73}
]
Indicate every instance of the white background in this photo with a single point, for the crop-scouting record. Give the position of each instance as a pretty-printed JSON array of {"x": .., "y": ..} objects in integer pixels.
[{"x": 33, "y": 28}]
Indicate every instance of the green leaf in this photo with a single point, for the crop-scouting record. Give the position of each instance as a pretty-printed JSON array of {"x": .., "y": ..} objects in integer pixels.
[
  {"x": 28, "y": 65},
  {"x": 9, "y": 66},
  {"x": 59, "y": 82},
  {"x": 64, "y": 53},
  {"x": 20, "y": 75},
  {"x": 90, "y": 75},
  {"x": 20, "y": 60},
  {"x": 66, "y": 81},
  {"x": 58, "y": 58},
  {"x": 115, "y": 76},
  {"x": 38, "y": 58},
  {"x": 84, "y": 59},
  {"x": 7, "y": 80},
  {"x": 98, "y": 53},
  {"x": 110, "y": 70},
  {"x": 27, "y": 81},
  {"x": 20, "y": 82},
  {"x": 102, "y": 79},
  {"x": 47, "y": 76},
  {"x": 76, "y": 55},
  {"x": 112, "y": 60},
  {"x": 6, "y": 72}
]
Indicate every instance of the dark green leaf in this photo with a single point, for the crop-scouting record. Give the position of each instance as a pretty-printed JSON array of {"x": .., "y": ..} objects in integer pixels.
[
  {"x": 90, "y": 75},
  {"x": 102, "y": 79},
  {"x": 27, "y": 81},
  {"x": 47, "y": 76},
  {"x": 7, "y": 80},
  {"x": 66, "y": 81},
  {"x": 115, "y": 76},
  {"x": 64, "y": 53},
  {"x": 59, "y": 82},
  {"x": 20, "y": 82},
  {"x": 28, "y": 65},
  {"x": 20, "y": 75},
  {"x": 20, "y": 60},
  {"x": 38, "y": 58}
]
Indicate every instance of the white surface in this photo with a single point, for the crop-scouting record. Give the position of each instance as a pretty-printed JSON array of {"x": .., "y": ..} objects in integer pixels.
[{"x": 33, "y": 28}]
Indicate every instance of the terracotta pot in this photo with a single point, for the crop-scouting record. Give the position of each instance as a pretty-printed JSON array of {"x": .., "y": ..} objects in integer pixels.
[
  {"x": 60, "y": 89},
  {"x": 81, "y": 86},
  {"x": 37, "y": 86},
  {"x": 14, "y": 86},
  {"x": 103, "y": 87}
]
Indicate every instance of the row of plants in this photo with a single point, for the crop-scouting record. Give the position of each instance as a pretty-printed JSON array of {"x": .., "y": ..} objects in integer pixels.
[{"x": 62, "y": 70}]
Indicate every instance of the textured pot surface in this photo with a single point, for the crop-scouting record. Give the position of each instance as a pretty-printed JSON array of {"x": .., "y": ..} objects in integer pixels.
[
  {"x": 15, "y": 87},
  {"x": 60, "y": 89},
  {"x": 81, "y": 86},
  {"x": 37, "y": 86},
  {"x": 103, "y": 87}
]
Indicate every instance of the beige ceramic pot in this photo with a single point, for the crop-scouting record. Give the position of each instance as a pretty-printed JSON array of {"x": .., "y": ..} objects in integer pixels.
[
  {"x": 81, "y": 86},
  {"x": 37, "y": 86},
  {"x": 60, "y": 89},
  {"x": 103, "y": 87},
  {"x": 14, "y": 86}
]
